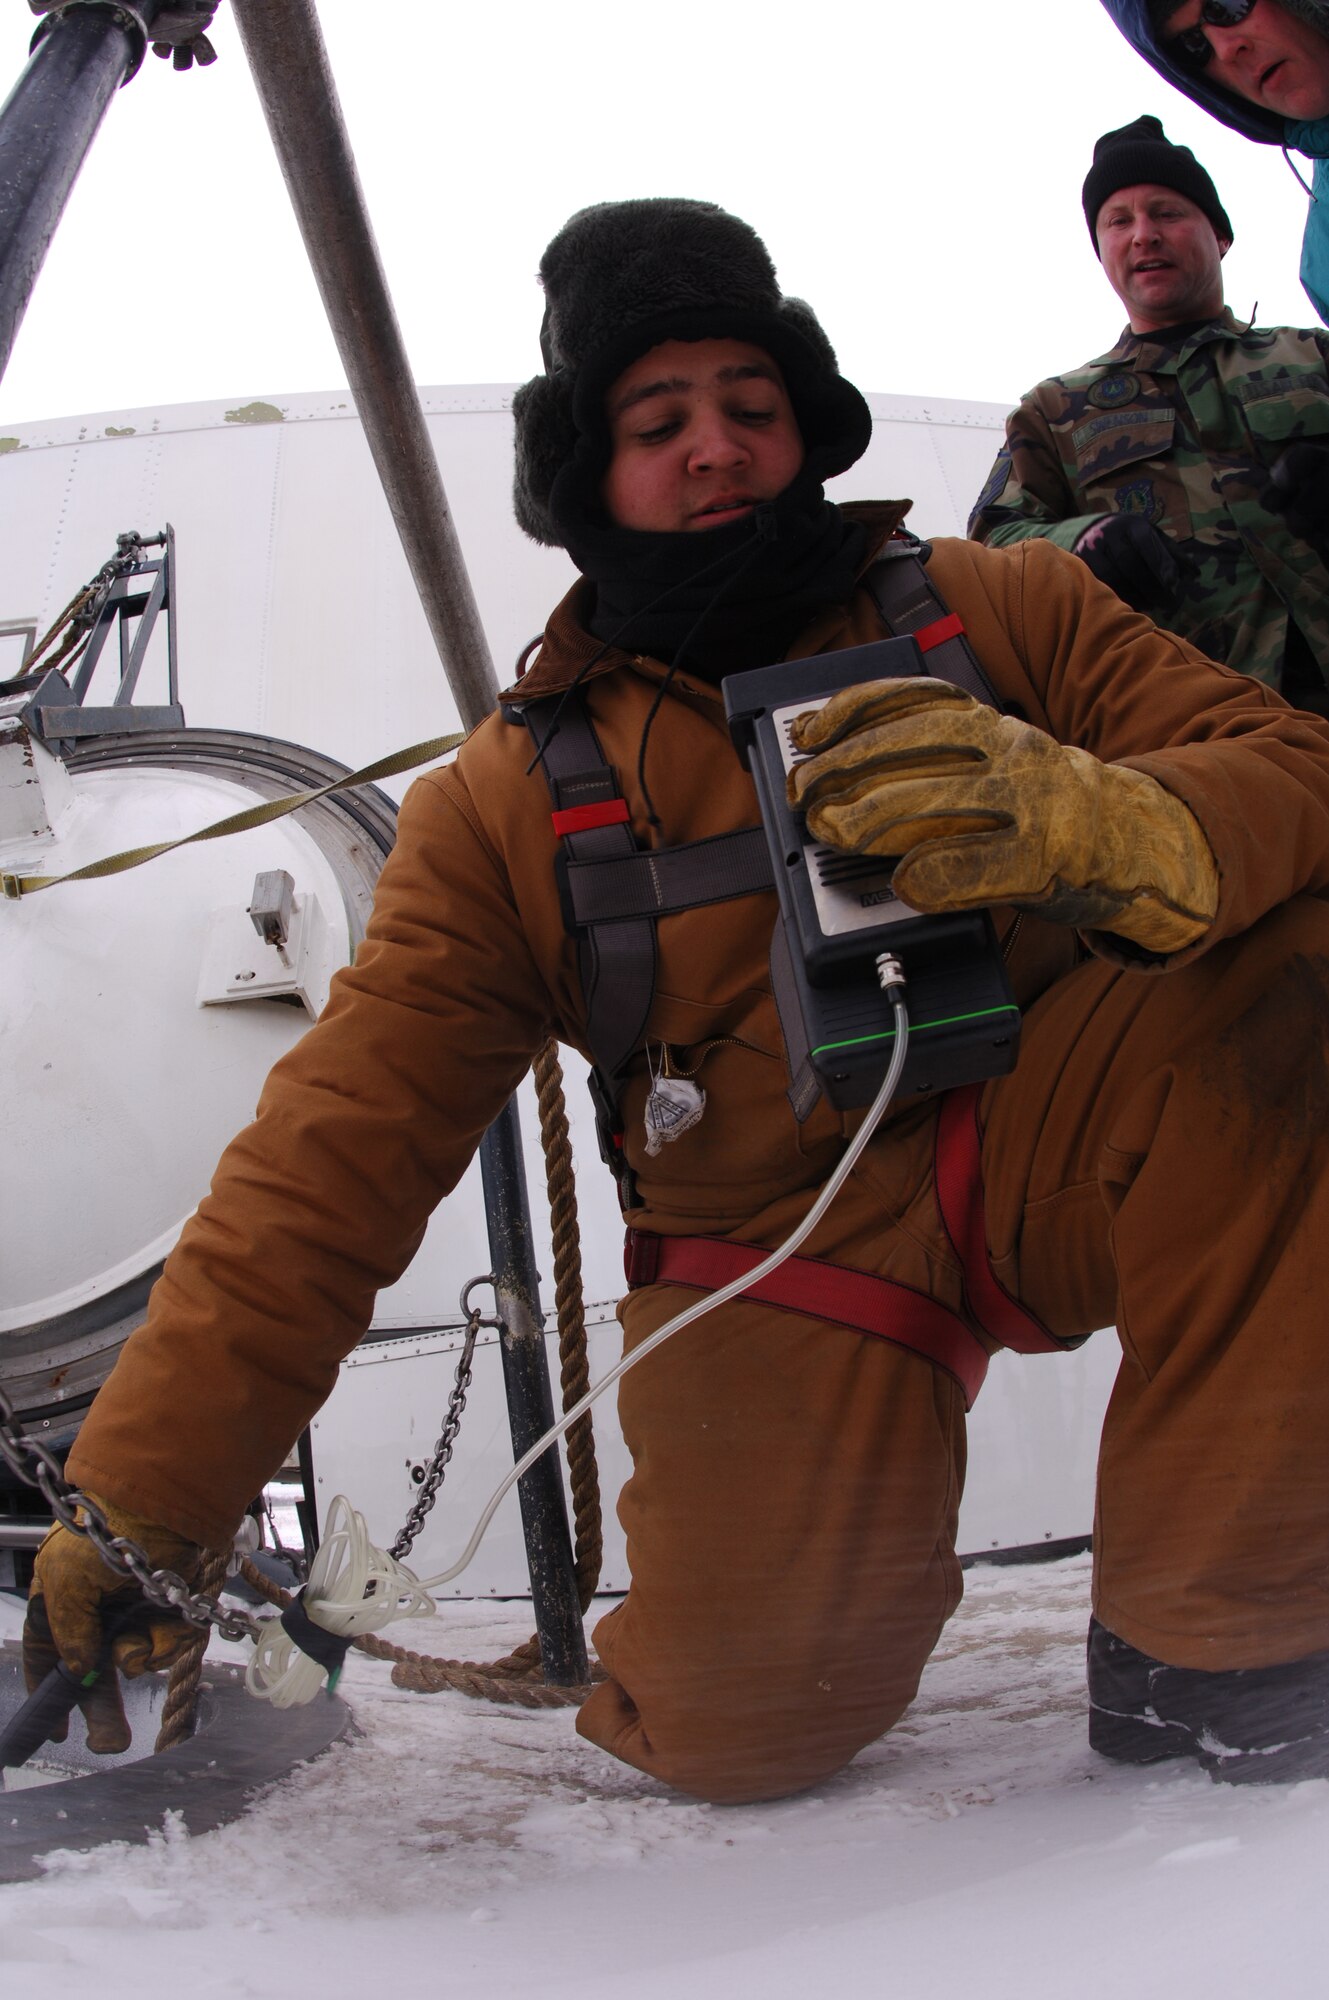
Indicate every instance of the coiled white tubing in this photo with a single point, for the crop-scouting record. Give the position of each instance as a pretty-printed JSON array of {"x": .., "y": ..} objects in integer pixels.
[{"x": 355, "y": 1587}]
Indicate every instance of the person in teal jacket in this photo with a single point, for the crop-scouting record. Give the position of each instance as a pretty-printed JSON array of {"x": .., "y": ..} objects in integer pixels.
[{"x": 1262, "y": 66}]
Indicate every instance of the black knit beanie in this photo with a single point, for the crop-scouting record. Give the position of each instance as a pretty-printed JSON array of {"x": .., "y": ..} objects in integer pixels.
[
  {"x": 620, "y": 278},
  {"x": 1140, "y": 154}
]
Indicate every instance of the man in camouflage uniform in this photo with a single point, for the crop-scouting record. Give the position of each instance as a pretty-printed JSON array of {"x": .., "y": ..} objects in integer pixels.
[{"x": 1189, "y": 465}]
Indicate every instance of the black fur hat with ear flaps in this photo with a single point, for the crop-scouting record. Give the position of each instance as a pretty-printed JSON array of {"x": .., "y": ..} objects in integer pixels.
[{"x": 620, "y": 278}]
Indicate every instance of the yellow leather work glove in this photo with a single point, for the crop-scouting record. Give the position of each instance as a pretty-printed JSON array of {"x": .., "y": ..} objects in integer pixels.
[
  {"x": 983, "y": 809},
  {"x": 75, "y": 1595}
]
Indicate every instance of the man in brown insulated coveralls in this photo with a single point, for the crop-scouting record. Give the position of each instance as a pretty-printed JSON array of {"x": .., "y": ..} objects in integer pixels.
[{"x": 1151, "y": 833}]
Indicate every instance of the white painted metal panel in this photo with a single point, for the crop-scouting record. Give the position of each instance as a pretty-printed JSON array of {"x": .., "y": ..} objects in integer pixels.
[{"x": 120, "y": 1090}]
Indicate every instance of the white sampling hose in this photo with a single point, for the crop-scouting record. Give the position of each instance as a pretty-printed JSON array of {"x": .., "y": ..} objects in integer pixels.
[{"x": 355, "y": 1587}]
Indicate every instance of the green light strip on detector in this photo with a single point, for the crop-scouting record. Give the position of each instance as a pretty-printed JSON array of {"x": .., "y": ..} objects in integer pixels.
[{"x": 921, "y": 1028}]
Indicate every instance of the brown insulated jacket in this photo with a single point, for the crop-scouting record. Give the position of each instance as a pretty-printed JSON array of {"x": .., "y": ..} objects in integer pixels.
[{"x": 374, "y": 1116}]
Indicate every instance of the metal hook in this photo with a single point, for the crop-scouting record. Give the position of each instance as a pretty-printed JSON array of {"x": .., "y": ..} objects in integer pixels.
[{"x": 468, "y": 1311}]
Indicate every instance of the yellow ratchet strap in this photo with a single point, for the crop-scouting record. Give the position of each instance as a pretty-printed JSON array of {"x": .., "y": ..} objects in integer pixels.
[{"x": 15, "y": 886}]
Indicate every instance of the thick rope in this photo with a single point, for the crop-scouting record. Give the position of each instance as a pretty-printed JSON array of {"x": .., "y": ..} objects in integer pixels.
[
  {"x": 575, "y": 1378},
  {"x": 513, "y": 1679},
  {"x": 67, "y": 616},
  {"x": 516, "y": 1678},
  {"x": 177, "y": 1721}
]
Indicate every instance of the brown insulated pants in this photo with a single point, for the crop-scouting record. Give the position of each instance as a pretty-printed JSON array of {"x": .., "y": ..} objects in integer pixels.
[{"x": 1157, "y": 1161}]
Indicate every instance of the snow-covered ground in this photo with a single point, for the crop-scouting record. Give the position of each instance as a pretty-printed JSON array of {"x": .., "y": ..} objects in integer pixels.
[{"x": 476, "y": 1852}]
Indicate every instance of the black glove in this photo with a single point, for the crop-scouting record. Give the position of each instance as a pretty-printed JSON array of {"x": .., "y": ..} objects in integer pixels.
[
  {"x": 176, "y": 32},
  {"x": 1298, "y": 489},
  {"x": 1137, "y": 560}
]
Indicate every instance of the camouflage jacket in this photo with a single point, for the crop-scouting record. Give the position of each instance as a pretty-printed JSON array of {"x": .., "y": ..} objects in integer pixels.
[{"x": 1183, "y": 432}]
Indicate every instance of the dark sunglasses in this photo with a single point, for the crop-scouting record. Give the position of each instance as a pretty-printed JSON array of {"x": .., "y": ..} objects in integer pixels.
[{"x": 1192, "y": 48}]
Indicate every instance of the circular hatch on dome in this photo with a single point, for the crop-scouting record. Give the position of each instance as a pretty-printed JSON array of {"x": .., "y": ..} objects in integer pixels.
[{"x": 139, "y": 1016}]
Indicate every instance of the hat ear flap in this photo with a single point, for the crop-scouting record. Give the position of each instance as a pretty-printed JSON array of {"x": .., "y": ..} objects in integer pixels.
[{"x": 545, "y": 438}]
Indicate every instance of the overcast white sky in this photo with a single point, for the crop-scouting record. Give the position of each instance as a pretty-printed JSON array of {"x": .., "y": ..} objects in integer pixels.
[{"x": 915, "y": 168}]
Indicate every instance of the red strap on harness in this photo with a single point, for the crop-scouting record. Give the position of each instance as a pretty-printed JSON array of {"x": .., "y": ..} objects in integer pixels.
[
  {"x": 580, "y": 819},
  {"x": 878, "y": 1306},
  {"x": 936, "y": 634},
  {"x": 857, "y": 1299},
  {"x": 959, "y": 1184}
]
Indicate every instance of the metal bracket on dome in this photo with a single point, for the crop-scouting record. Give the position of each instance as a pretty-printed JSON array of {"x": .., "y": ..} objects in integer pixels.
[{"x": 114, "y": 602}]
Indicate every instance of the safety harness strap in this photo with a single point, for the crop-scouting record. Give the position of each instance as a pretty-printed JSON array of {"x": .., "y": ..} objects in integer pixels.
[
  {"x": 613, "y": 893},
  {"x": 857, "y": 1299},
  {"x": 958, "y": 1172},
  {"x": 656, "y": 882},
  {"x": 873, "y": 1305},
  {"x": 911, "y": 608},
  {"x": 617, "y": 962}
]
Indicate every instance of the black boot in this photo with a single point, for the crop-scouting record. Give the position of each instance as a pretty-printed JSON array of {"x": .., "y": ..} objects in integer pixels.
[
  {"x": 1123, "y": 1722},
  {"x": 1249, "y": 1725}
]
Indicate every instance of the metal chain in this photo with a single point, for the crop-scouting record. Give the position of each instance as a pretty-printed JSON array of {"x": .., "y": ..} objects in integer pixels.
[
  {"x": 36, "y": 1466},
  {"x": 438, "y": 1464}
]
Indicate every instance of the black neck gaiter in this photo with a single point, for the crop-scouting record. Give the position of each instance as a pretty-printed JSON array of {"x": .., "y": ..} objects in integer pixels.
[{"x": 723, "y": 599}]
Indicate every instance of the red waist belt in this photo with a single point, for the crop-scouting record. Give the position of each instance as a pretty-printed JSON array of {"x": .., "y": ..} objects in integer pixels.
[{"x": 881, "y": 1307}]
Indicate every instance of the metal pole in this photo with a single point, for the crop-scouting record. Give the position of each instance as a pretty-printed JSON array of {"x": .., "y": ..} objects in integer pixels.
[
  {"x": 47, "y": 124},
  {"x": 530, "y": 1404},
  {"x": 284, "y": 45},
  {"x": 286, "y": 53}
]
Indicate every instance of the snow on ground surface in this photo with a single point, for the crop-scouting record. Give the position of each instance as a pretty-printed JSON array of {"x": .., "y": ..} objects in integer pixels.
[{"x": 473, "y": 1852}]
